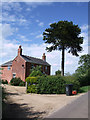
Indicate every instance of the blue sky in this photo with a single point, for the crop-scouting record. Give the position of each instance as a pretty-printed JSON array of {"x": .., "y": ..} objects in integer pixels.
[{"x": 23, "y": 23}]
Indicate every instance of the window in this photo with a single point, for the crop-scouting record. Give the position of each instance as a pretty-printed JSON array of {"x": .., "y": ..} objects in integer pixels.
[
  {"x": 14, "y": 75},
  {"x": 45, "y": 67},
  {"x": 23, "y": 66},
  {"x": 9, "y": 67},
  {"x": 32, "y": 66}
]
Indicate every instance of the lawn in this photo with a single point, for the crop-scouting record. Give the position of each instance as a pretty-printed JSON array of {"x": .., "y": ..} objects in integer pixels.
[{"x": 84, "y": 89}]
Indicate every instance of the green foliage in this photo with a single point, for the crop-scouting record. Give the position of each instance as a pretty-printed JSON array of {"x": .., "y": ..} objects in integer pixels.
[
  {"x": 84, "y": 63},
  {"x": 83, "y": 71},
  {"x": 58, "y": 72},
  {"x": 63, "y": 35},
  {"x": 4, "y": 81},
  {"x": 84, "y": 89},
  {"x": 22, "y": 83},
  {"x": 36, "y": 71},
  {"x": 31, "y": 84},
  {"x": 51, "y": 85},
  {"x": 72, "y": 80},
  {"x": 16, "y": 82}
]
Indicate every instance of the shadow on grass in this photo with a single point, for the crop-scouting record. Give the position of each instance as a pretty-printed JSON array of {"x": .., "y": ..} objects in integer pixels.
[{"x": 20, "y": 111}]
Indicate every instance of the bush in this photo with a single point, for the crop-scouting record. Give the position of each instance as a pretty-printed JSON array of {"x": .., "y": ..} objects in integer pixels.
[
  {"x": 51, "y": 85},
  {"x": 16, "y": 81},
  {"x": 31, "y": 84},
  {"x": 84, "y": 79},
  {"x": 58, "y": 72},
  {"x": 4, "y": 81},
  {"x": 22, "y": 83},
  {"x": 72, "y": 80}
]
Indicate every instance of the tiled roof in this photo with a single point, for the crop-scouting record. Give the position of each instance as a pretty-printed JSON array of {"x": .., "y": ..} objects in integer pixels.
[
  {"x": 9, "y": 63},
  {"x": 34, "y": 60},
  {"x": 28, "y": 59}
]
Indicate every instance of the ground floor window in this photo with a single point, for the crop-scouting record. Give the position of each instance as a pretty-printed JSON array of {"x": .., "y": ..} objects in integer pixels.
[{"x": 14, "y": 75}]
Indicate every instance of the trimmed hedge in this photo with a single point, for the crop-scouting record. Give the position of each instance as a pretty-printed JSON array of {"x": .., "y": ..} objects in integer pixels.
[
  {"x": 31, "y": 84},
  {"x": 17, "y": 82},
  {"x": 51, "y": 84}
]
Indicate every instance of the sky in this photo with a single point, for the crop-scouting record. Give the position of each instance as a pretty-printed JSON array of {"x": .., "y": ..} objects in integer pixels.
[{"x": 23, "y": 23}]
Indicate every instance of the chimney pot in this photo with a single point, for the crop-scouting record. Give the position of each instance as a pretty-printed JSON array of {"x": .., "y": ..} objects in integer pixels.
[
  {"x": 44, "y": 57},
  {"x": 20, "y": 50}
]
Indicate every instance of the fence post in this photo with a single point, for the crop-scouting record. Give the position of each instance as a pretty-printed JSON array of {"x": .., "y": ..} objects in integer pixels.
[{"x": 26, "y": 87}]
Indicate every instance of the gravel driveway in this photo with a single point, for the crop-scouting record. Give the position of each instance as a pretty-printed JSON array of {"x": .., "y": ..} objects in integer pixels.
[{"x": 35, "y": 106}]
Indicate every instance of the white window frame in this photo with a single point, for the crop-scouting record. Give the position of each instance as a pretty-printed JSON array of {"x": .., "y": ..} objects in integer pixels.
[
  {"x": 14, "y": 75},
  {"x": 9, "y": 67}
]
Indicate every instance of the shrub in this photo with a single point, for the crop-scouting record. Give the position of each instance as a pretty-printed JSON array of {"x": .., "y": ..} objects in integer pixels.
[
  {"x": 84, "y": 79},
  {"x": 51, "y": 85},
  {"x": 22, "y": 83},
  {"x": 58, "y": 72},
  {"x": 72, "y": 80},
  {"x": 4, "y": 81},
  {"x": 31, "y": 84},
  {"x": 15, "y": 81}
]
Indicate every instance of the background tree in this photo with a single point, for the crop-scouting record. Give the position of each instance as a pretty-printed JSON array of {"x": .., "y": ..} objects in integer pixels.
[
  {"x": 63, "y": 35},
  {"x": 84, "y": 63},
  {"x": 58, "y": 72}
]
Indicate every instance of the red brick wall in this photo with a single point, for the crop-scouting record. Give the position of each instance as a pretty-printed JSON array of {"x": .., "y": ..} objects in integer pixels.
[
  {"x": 21, "y": 71},
  {"x": 6, "y": 74},
  {"x": 18, "y": 68}
]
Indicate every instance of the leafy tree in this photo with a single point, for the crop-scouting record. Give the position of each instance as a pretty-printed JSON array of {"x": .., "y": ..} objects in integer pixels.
[
  {"x": 58, "y": 72},
  {"x": 84, "y": 63},
  {"x": 62, "y": 36},
  {"x": 36, "y": 71}
]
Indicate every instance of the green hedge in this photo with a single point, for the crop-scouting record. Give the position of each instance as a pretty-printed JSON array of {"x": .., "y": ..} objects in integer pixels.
[
  {"x": 17, "y": 82},
  {"x": 31, "y": 84},
  {"x": 50, "y": 84}
]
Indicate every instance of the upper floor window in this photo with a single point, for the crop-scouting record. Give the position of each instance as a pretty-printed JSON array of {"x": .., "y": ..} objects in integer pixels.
[
  {"x": 9, "y": 67},
  {"x": 32, "y": 66}
]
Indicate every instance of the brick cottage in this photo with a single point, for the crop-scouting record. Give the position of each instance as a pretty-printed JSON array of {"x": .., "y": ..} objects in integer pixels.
[{"x": 20, "y": 66}]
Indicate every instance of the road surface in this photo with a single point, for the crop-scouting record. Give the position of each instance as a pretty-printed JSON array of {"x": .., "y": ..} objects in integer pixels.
[{"x": 77, "y": 109}]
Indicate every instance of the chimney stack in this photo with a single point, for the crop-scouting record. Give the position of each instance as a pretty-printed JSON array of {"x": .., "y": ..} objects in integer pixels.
[
  {"x": 19, "y": 50},
  {"x": 44, "y": 57}
]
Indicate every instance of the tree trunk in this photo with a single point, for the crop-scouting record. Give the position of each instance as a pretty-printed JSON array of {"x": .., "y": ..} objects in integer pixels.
[{"x": 62, "y": 64}]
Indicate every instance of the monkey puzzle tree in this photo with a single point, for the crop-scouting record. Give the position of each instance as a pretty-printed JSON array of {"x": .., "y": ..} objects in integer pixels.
[{"x": 63, "y": 35}]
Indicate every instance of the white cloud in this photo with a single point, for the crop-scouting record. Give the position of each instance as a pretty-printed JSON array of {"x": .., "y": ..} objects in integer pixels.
[
  {"x": 28, "y": 9},
  {"x": 37, "y": 20},
  {"x": 9, "y": 6},
  {"x": 41, "y": 24},
  {"x": 23, "y": 38},
  {"x": 39, "y": 36},
  {"x": 14, "y": 19},
  {"x": 7, "y": 30},
  {"x": 84, "y": 27}
]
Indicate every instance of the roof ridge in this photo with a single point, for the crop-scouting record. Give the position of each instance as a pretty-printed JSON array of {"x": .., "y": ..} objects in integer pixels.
[{"x": 33, "y": 57}]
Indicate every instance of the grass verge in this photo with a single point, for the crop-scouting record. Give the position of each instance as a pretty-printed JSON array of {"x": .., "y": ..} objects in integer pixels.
[{"x": 84, "y": 89}]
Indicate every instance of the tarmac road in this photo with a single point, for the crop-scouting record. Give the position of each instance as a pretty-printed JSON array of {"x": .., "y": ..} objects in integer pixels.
[{"x": 77, "y": 109}]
